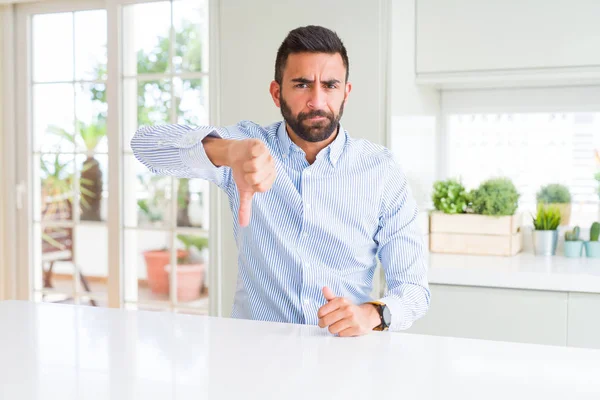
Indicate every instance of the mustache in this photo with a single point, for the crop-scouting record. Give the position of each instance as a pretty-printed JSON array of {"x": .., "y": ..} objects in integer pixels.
[{"x": 315, "y": 113}]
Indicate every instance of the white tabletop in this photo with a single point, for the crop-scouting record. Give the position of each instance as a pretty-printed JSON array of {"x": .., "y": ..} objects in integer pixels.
[
  {"x": 67, "y": 352},
  {"x": 523, "y": 271}
]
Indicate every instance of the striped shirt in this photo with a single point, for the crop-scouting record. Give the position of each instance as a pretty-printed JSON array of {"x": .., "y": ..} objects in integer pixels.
[{"x": 319, "y": 225}]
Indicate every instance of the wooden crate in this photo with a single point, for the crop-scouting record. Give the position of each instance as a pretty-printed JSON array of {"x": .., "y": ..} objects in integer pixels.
[{"x": 475, "y": 234}]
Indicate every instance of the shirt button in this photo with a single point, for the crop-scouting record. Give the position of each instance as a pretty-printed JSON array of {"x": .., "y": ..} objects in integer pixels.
[
  {"x": 160, "y": 142},
  {"x": 307, "y": 206},
  {"x": 306, "y": 234},
  {"x": 307, "y": 265},
  {"x": 307, "y": 173},
  {"x": 306, "y": 301}
]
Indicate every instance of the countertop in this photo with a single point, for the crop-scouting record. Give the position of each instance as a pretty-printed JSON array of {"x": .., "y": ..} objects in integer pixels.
[
  {"x": 523, "y": 271},
  {"x": 50, "y": 351}
]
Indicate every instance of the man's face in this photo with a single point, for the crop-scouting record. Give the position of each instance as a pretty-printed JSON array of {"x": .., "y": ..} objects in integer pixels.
[{"x": 312, "y": 94}]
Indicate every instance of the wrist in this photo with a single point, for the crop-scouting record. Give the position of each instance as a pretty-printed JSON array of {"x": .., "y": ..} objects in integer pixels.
[
  {"x": 373, "y": 317},
  {"x": 218, "y": 150}
]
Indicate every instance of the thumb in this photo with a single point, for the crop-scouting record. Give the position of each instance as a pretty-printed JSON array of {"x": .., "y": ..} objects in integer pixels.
[
  {"x": 328, "y": 294},
  {"x": 245, "y": 208}
]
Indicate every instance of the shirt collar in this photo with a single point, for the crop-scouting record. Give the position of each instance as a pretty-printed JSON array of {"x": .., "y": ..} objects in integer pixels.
[{"x": 334, "y": 149}]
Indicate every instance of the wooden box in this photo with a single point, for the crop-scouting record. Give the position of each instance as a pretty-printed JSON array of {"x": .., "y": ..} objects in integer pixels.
[{"x": 475, "y": 234}]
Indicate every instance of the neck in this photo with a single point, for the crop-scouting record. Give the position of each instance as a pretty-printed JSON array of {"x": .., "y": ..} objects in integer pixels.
[{"x": 311, "y": 149}]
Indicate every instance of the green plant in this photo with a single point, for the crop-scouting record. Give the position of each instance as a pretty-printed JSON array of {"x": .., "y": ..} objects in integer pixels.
[
  {"x": 450, "y": 196},
  {"x": 547, "y": 218},
  {"x": 595, "y": 232},
  {"x": 496, "y": 196},
  {"x": 572, "y": 235},
  {"x": 553, "y": 193},
  {"x": 191, "y": 241}
]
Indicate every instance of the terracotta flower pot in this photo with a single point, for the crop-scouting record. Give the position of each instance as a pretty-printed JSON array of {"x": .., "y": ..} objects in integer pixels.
[
  {"x": 158, "y": 277},
  {"x": 190, "y": 279}
]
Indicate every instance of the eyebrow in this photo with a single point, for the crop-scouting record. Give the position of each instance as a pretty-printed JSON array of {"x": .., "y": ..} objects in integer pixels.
[{"x": 327, "y": 82}]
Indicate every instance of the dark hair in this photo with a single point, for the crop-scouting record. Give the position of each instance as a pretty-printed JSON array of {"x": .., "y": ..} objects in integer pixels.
[{"x": 309, "y": 39}]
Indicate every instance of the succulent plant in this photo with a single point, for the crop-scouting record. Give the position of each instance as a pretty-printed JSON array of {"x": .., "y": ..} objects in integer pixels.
[
  {"x": 547, "y": 218},
  {"x": 572, "y": 235},
  {"x": 595, "y": 232}
]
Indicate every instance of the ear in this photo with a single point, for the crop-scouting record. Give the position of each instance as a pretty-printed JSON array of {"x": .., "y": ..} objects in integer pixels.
[
  {"x": 348, "y": 90},
  {"x": 275, "y": 90}
]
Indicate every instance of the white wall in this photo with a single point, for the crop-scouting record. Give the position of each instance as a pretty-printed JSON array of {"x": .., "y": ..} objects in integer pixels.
[
  {"x": 2, "y": 264},
  {"x": 250, "y": 34},
  {"x": 414, "y": 132}
]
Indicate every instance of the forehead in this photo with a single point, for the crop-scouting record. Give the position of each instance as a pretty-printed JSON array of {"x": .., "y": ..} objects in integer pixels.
[{"x": 322, "y": 65}]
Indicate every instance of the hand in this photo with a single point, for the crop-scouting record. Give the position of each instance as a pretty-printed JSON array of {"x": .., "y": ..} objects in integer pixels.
[
  {"x": 347, "y": 319},
  {"x": 253, "y": 170}
]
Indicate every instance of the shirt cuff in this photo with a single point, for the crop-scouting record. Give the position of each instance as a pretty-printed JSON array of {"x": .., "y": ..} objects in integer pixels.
[
  {"x": 193, "y": 155},
  {"x": 400, "y": 313}
]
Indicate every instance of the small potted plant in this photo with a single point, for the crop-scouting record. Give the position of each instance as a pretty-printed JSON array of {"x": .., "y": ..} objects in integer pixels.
[
  {"x": 557, "y": 195},
  {"x": 592, "y": 247},
  {"x": 545, "y": 234},
  {"x": 573, "y": 245},
  {"x": 191, "y": 267},
  {"x": 450, "y": 197}
]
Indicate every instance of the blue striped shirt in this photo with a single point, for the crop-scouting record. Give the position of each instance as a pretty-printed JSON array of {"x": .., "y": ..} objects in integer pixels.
[{"x": 319, "y": 225}]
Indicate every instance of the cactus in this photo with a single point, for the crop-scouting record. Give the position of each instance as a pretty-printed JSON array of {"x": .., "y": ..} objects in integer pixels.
[
  {"x": 595, "y": 232},
  {"x": 572, "y": 236}
]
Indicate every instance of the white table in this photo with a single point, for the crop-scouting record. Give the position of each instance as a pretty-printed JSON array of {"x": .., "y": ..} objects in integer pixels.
[{"x": 64, "y": 352}]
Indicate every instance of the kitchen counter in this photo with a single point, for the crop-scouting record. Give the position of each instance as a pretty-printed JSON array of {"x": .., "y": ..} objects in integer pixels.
[
  {"x": 50, "y": 351},
  {"x": 523, "y": 271}
]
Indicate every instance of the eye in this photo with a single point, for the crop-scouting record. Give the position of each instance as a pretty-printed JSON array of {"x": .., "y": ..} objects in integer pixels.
[
  {"x": 301, "y": 85},
  {"x": 332, "y": 86}
]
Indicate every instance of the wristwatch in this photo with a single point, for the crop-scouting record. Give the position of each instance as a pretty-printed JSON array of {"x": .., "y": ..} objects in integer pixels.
[{"x": 384, "y": 314}]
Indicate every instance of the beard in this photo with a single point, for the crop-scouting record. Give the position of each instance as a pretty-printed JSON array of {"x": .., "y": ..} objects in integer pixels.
[{"x": 316, "y": 131}]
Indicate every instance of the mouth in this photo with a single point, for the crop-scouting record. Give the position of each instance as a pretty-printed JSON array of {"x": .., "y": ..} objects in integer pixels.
[{"x": 316, "y": 118}]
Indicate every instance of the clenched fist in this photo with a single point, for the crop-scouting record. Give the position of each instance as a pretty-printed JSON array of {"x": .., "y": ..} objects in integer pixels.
[{"x": 253, "y": 170}]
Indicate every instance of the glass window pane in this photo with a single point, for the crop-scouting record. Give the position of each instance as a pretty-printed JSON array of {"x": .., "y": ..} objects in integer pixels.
[
  {"x": 93, "y": 186},
  {"x": 56, "y": 187},
  {"x": 147, "y": 196},
  {"x": 90, "y": 45},
  {"x": 91, "y": 117},
  {"x": 52, "y": 40},
  {"x": 53, "y": 255},
  {"x": 532, "y": 149},
  {"x": 145, "y": 104},
  {"x": 53, "y": 117},
  {"x": 192, "y": 271},
  {"x": 192, "y": 203},
  {"x": 146, "y": 38},
  {"x": 91, "y": 256},
  {"x": 146, "y": 256},
  {"x": 190, "y": 19},
  {"x": 191, "y": 97}
]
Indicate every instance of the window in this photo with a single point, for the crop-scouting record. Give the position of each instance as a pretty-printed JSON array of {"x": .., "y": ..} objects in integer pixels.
[
  {"x": 531, "y": 146},
  {"x": 160, "y": 65}
]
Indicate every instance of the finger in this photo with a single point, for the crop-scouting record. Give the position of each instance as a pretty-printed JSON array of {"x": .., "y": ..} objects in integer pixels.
[
  {"x": 333, "y": 305},
  {"x": 257, "y": 163},
  {"x": 333, "y": 317},
  {"x": 351, "y": 331},
  {"x": 256, "y": 178},
  {"x": 341, "y": 325},
  {"x": 258, "y": 148},
  {"x": 245, "y": 208},
  {"x": 266, "y": 183},
  {"x": 328, "y": 294}
]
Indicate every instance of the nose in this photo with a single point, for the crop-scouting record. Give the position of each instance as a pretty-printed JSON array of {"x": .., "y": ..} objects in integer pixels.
[{"x": 317, "y": 98}]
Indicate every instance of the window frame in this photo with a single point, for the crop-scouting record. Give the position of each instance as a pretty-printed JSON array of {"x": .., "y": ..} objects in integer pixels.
[{"x": 114, "y": 86}]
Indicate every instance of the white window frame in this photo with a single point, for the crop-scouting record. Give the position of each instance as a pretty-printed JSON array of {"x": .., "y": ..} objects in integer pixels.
[{"x": 22, "y": 97}]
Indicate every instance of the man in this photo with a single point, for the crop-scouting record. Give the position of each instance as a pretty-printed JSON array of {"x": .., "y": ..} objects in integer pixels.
[{"x": 315, "y": 206}]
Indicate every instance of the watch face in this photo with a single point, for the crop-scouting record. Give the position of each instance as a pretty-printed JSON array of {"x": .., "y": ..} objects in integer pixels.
[{"x": 387, "y": 316}]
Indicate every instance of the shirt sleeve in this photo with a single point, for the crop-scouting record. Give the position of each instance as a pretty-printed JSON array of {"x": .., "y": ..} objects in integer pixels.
[
  {"x": 402, "y": 252},
  {"x": 177, "y": 150}
]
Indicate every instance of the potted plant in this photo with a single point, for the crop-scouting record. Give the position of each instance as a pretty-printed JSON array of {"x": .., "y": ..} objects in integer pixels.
[
  {"x": 573, "y": 245},
  {"x": 483, "y": 222},
  {"x": 450, "y": 197},
  {"x": 545, "y": 234},
  {"x": 559, "y": 196},
  {"x": 190, "y": 267},
  {"x": 592, "y": 247}
]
